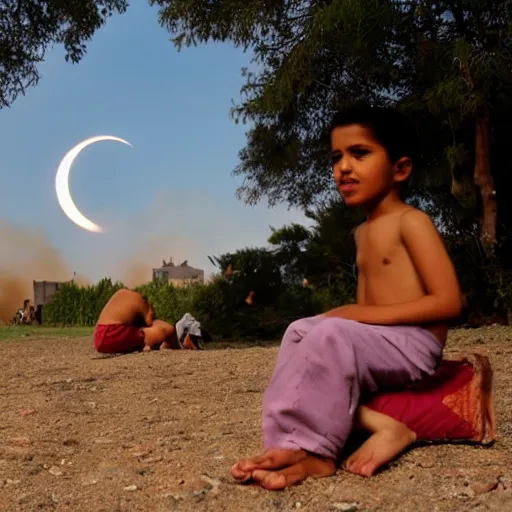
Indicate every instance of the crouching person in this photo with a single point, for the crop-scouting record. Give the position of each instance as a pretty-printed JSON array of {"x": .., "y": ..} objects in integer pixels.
[{"x": 126, "y": 324}]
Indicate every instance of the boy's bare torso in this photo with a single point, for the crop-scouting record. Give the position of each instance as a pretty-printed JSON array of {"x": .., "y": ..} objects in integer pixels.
[
  {"x": 386, "y": 273},
  {"x": 125, "y": 307}
]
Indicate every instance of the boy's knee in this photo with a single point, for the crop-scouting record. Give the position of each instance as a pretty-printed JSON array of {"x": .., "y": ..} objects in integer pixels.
[{"x": 334, "y": 331}]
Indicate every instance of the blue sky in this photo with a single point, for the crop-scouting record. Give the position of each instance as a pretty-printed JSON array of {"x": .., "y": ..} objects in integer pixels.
[{"x": 172, "y": 194}]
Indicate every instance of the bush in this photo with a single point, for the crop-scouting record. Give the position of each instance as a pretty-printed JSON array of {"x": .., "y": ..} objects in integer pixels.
[
  {"x": 218, "y": 305},
  {"x": 77, "y": 305}
]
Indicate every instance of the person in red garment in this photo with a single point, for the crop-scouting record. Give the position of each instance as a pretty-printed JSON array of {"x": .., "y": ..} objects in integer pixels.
[{"x": 127, "y": 324}]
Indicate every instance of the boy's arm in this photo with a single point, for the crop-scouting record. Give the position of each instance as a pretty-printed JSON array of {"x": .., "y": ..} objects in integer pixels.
[
  {"x": 361, "y": 289},
  {"x": 428, "y": 253}
]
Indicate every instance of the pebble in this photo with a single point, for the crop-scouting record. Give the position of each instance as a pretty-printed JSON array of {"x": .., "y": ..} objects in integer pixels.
[
  {"x": 213, "y": 482},
  {"x": 89, "y": 480},
  {"x": 505, "y": 482},
  {"x": 19, "y": 441},
  {"x": 130, "y": 488},
  {"x": 150, "y": 460},
  {"x": 141, "y": 454},
  {"x": 345, "y": 506},
  {"x": 484, "y": 487},
  {"x": 55, "y": 471}
]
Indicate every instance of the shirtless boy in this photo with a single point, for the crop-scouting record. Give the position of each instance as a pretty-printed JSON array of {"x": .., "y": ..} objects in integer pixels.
[
  {"x": 394, "y": 335},
  {"x": 127, "y": 324}
]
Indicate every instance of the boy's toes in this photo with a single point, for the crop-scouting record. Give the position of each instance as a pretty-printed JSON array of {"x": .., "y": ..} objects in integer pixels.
[{"x": 239, "y": 474}]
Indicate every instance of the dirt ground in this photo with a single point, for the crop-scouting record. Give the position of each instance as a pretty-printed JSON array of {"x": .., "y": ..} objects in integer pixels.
[{"x": 159, "y": 431}]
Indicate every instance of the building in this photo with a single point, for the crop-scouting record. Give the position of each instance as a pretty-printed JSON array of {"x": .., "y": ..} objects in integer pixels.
[
  {"x": 44, "y": 291},
  {"x": 178, "y": 275}
]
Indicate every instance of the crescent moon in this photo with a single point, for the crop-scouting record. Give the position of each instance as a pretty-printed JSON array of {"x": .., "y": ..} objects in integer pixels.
[{"x": 62, "y": 183}]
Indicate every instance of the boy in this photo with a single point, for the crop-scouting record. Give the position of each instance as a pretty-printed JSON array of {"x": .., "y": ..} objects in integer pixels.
[
  {"x": 127, "y": 324},
  {"x": 394, "y": 335}
]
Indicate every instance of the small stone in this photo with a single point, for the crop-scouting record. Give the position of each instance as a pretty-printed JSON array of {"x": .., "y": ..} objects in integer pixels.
[
  {"x": 12, "y": 482},
  {"x": 55, "y": 471},
  {"x": 102, "y": 440},
  {"x": 484, "y": 487},
  {"x": 505, "y": 481},
  {"x": 130, "y": 488},
  {"x": 28, "y": 412},
  {"x": 345, "y": 506},
  {"x": 150, "y": 460},
  {"x": 214, "y": 483},
  {"x": 453, "y": 473},
  {"x": 298, "y": 504},
  {"x": 89, "y": 480},
  {"x": 19, "y": 441},
  {"x": 465, "y": 495}
]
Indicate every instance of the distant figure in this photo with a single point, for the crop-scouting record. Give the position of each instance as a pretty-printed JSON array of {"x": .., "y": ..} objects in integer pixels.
[
  {"x": 38, "y": 315},
  {"x": 126, "y": 324},
  {"x": 27, "y": 314}
]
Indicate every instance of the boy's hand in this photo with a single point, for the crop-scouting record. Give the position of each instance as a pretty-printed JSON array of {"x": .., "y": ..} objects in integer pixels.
[{"x": 348, "y": 311}]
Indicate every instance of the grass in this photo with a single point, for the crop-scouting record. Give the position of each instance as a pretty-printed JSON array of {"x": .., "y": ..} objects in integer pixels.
[{"x": 10, "y": 332}]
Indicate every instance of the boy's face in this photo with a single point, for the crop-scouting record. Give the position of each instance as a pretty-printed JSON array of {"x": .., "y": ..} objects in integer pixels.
[{"x": 362, "y": 170}]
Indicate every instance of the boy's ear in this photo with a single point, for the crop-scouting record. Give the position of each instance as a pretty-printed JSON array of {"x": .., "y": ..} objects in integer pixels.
[{"x": 403, "y": 169}]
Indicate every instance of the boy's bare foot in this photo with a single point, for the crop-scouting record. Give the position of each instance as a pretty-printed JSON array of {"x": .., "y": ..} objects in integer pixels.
[
  {"x": 279, "y": 468},
  {"x": 380, "y": 448}
]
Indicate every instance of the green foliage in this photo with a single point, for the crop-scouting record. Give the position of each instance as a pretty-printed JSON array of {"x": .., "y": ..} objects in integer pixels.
[
  {"x": 486, "y": 282},
  {"x": 445, "y": 63},
  {"x": 326, "y": 254},
  {"x": 29, "y": 28},
  {"x": 77, "y": 305}
]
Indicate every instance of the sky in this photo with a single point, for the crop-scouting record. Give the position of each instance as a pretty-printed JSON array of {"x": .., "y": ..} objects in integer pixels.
[{"x": 171, "y": 195}]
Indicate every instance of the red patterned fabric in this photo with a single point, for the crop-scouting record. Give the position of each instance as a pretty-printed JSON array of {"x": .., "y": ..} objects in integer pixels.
[{"x": 453, "y": 404}]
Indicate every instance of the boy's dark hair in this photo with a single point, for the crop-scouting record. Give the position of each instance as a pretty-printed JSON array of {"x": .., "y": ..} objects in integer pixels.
[{"x": 388, "y": 125}]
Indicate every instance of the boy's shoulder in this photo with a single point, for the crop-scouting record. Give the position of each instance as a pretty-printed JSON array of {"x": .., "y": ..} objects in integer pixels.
[
  {"x": 414, "y": 218},
  {"x": 407, "y": 219}
]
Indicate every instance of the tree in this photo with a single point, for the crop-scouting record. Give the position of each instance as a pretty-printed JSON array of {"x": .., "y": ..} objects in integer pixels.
[
  {"x": 250, "y": 269},
  {"x": 291, "y": 251},
  {"x": 28, "y": 28},
  {"x": 446, "y": 63}
]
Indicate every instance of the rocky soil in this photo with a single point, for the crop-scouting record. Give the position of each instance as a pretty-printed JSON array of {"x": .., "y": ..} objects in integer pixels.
[{"x": 159, "y": 431}]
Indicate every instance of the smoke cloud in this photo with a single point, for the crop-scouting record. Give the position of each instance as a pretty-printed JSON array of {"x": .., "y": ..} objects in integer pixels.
[
  {"x": 25, "y": 256},
  {"x": 182, "y": 225}
]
